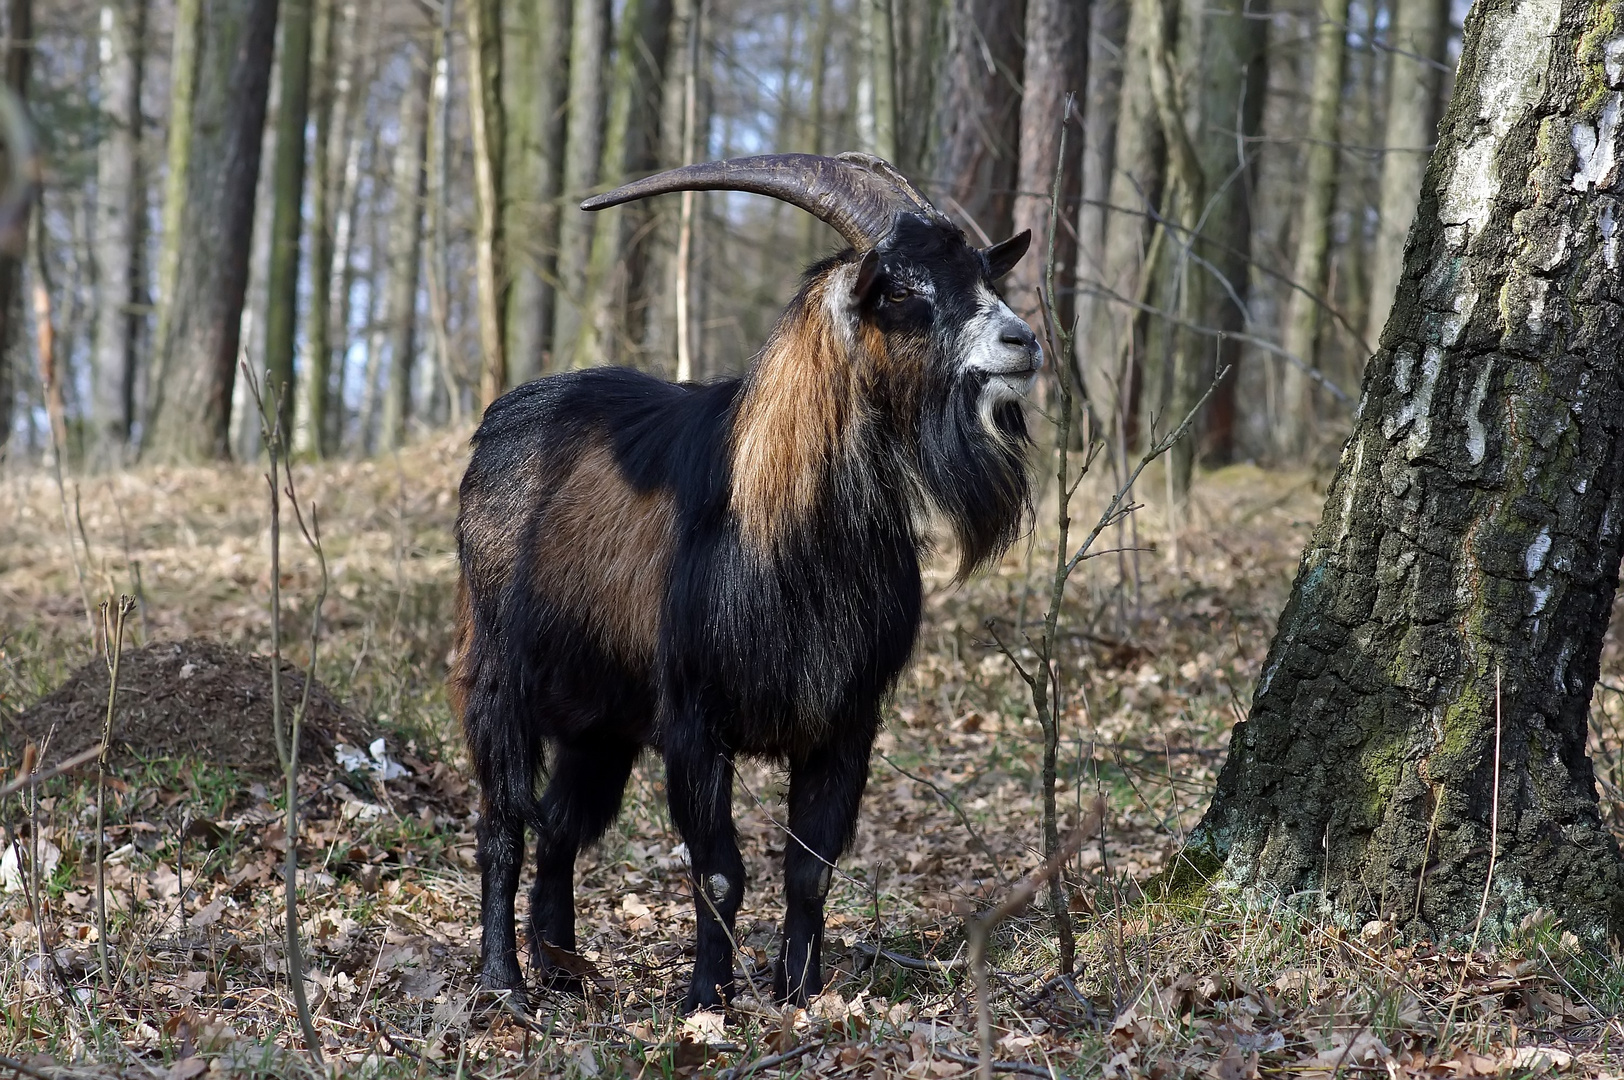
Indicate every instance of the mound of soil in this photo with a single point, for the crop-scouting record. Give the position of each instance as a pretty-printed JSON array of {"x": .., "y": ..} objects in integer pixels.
[{"x": 195, "y": 698}]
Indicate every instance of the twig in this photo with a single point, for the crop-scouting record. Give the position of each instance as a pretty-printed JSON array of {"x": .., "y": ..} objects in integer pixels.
[
  {"x": 979, "y": 928},
  {"x": 33, "y": 779},
  {"x": 1488, "y": 879},
  {"x": 1023, "y": 1067},
  {"x": 739, "y": 1072},
  {"x": 113, "y": 637},
  {"x": 912, "y": 963},
  {"x": 23, "y": 1068},
  {"x": 286, "y": 751}
]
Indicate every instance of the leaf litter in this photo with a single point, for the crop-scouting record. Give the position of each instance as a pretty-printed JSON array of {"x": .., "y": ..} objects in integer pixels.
[{"x": 1160, "y": 662}]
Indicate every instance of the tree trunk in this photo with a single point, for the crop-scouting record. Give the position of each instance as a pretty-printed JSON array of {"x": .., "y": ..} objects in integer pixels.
[
  {"x": 1445, "y": 627},
  {"x": 606, "y": 335},
  {"x": 1134, "y": 190},
  {"x": 487, "y": 122},
  {"x": 312, "y": 431},
  {"x": 120, "y": 236},
  {"x": 1056, "y": 65},
  {"x": 219, "y": 167},
  {"x": 535, "y": 75},
  {"x": 18, "y": 52},
  {"x": 583, "y": 153},
  {"x": 410, "y": 184},
  {"x": 352, "y": 155},
  {"x": 1320, "y": 152},
  {"x": 1420, "y": 44},
  {"x": 1220, "y": 59},
  {"x": 876, "y": 80},
  {"x": 287, "y": 218},
  {"x": 978, "y": 115}
]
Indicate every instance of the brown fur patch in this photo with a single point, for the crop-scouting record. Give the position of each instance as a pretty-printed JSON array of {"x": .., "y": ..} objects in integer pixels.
[
  {"x": 604, "y": 552},
  {"x": 794, "y": 421},
  {"x": 462, "y": 633}
]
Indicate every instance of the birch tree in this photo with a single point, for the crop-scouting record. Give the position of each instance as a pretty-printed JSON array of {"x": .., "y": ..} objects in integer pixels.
[
  {"x": 119, "y": 236},
  {"x": 1416, "y": 745}
]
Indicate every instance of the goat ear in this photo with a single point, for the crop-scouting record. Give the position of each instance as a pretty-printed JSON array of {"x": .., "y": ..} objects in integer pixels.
[
  {"x": 1001, "y": 258},
  {"x": 867, "y": 272}
]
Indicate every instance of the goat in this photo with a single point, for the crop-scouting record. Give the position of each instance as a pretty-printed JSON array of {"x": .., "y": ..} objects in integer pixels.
[{"x": 731, "y": 568}]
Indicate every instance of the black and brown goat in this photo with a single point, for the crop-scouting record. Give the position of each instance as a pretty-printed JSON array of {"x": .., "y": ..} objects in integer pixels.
[{"x": 732, "y": 568}]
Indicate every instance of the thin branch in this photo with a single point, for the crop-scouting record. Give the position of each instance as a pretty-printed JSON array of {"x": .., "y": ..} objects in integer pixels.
[{"x": 34, "y": 779}]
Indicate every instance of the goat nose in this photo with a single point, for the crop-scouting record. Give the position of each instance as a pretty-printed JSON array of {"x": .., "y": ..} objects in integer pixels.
[{"x": 1020, "y": 335}]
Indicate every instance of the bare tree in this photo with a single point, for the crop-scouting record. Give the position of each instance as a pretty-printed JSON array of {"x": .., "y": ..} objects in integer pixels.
[
  {"x": 287, "y": 207},
  {"x": 583, "y": 155},
  {"x": 219, "y": 127},
  {"x": 1056, "y": 68},
  {"x": 1300, "y": 335},
  {"x": 120, "y": 234},
  {"x": 410, "y": 184},
  {"x": 977, "y": 156},
  {"x": 1418, "y": 42}
]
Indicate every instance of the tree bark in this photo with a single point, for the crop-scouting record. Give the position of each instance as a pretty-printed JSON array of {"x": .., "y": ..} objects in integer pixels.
[
  {"x": 1134, "y": 193},
  {"x": 607, "y": 336},
  {"x": 583, "y": 153},
  {"x": 1320, "y": 152},
  {"x": 287, "y": 213},
  {"x": 220, "y": 167},
  {"x": 1056, "y": 66},
  {"x": 876, "y": 80},
  {"x": 1220, "y": 70},
  {"x": 18, "y": 54},
  {"x": 312, "y": 432},
  {"x": 535, "y": 74},
  {"x": 1446, "y": 624},
  {"x": 120, "y": 236},
  {"x": 410, "y": 183},
  {"x": 487, "y": 121},
  {"x": 1419, "y": 43},
  {"x": 978, "y": 115}
]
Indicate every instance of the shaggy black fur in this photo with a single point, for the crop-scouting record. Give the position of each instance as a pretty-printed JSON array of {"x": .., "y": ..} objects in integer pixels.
[{"x": 786, "y": 653}]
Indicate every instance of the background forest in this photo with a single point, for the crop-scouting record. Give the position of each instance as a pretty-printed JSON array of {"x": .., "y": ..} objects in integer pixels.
[
  {"x": 368, "y": 209},
  {"x": 394, "y": 233}
]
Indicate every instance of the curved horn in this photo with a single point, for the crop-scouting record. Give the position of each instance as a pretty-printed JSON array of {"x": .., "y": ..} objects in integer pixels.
[{"x": 857, "y": 194}]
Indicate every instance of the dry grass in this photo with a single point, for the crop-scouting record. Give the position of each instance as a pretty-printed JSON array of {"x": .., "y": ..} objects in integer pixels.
[{"x": 1238, "y": 987}]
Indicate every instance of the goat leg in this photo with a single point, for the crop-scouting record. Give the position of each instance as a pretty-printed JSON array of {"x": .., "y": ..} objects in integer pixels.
[
  {"x": 825, "y": 790},
  {"x": 699, "y": 783},
  {"x": 501, "y": 851}
]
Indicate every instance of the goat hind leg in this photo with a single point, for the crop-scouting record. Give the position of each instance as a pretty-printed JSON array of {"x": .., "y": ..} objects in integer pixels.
[
  {"x": 581, "y": 801},
  {"x": 501, "y": 851}
]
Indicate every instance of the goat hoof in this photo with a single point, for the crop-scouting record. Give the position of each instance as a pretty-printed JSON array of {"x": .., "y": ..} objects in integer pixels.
[
  {"x": 564, "y": 982},
  {"x": 505, "y": 989},
  {"x": 700, "y": 1000}
]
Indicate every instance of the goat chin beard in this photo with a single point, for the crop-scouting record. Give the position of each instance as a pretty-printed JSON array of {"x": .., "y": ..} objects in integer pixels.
[{"x": 998, "y": 389}]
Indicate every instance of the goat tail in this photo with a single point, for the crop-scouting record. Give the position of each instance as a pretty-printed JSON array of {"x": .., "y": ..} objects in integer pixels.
[{"x": 485, "y": 694}]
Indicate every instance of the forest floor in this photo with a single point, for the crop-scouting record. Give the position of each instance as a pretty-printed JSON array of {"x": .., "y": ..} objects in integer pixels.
[{"x": 1159, "y": 657}]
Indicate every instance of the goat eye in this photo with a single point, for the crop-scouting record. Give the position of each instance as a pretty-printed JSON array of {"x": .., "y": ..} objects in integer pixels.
[{"x": 898, "y": 293}]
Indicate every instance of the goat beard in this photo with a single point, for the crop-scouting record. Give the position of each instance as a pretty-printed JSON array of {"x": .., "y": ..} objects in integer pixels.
[{"x": 973, "y": 466}]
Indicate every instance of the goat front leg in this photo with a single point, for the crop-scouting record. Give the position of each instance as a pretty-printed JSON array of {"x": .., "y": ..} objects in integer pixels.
[
  {"x": 699, "y": 785},
  {"x": 825, "y": 790}
]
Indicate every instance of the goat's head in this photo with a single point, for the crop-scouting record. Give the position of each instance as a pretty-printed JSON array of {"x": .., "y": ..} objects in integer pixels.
[{"x": 914, "y": 308}]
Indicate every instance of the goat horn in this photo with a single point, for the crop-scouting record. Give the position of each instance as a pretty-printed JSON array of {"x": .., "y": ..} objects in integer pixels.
[{"x": 859, "y": 195}]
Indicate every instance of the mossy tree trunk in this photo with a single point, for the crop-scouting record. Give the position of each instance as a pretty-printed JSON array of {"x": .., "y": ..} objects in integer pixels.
[{"x": 1456, "y": 592}]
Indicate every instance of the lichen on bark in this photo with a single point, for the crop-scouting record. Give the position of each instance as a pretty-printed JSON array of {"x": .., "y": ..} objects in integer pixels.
[{"x": 1466, "y": 562}]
